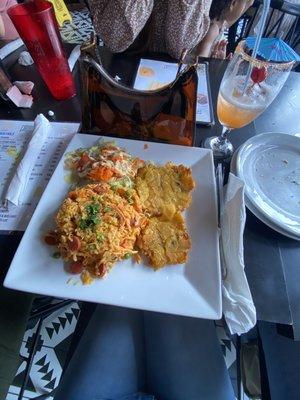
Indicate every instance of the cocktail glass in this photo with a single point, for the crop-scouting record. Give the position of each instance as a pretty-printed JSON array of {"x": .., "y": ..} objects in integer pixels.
[{"x": 248, "y": 87}]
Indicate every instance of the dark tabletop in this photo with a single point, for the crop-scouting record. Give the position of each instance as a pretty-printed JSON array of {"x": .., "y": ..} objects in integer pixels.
[{"x": 272, "y": 261}]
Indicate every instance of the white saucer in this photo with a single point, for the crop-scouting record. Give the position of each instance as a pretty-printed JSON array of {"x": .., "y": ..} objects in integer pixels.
[{"x": 252, "y": 206}]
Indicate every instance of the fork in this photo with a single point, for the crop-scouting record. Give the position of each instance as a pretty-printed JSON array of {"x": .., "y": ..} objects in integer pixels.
[{"x": 220, "y": 196}]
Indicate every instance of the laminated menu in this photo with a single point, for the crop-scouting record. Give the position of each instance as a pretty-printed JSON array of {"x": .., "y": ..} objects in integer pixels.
[
  {"x": 152, "y": 74},
  {"x": 14, "y": 138}
]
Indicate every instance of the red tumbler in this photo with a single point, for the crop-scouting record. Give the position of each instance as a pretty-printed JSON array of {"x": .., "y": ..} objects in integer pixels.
[{"x": 37, "y": 26}]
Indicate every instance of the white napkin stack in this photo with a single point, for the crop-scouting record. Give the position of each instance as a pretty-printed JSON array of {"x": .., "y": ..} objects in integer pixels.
[
  {"x": 20, "y": 179},
  {"x": 238, "y": 307}
]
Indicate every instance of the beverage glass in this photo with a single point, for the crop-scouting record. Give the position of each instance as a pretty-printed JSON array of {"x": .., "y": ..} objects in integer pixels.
[
  {"x": 37, "y": 26},
  {"x": 248, "y": 87}
]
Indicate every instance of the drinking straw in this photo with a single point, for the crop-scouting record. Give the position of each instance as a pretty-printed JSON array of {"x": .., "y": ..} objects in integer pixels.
[{"x": 262, "y": 22}]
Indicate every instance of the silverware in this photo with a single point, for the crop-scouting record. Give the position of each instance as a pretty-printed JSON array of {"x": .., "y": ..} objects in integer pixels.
[{"x": 220, "y": 196}]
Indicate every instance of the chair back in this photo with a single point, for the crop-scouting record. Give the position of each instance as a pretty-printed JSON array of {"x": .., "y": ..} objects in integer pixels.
[{"x": 283, "y": 22}]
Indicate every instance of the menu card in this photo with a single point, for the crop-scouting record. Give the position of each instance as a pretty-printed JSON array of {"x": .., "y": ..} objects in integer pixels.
[
  {"x": 14, "y": 136},
  {"x": 154, "y": 74}
]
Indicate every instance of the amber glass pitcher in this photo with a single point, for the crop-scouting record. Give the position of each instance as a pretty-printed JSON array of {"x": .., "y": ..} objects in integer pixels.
[{"x": 109, "y": 108}]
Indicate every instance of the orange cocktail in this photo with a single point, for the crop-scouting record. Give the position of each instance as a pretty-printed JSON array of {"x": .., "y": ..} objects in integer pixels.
[
  {"x": 237, "y": 108},
  {"x": 234, "y": 115}
]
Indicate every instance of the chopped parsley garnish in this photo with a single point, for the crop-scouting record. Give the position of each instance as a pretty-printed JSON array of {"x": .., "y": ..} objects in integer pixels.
[
  {"x": 56, "y": 254},
  {"x": 100, "y": 237},
  {"x": 129, "y": 196},
  {"x": 92, "y": 218},
  {"x": 83, "y": 223},
  {"x": 92, "y": 209}
]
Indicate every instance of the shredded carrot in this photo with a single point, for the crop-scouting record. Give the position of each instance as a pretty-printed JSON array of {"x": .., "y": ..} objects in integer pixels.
[
  {"x": 101, "y": 174},
  {"x": 116, "y": 158},
  {"x": 125, "y": 243}
]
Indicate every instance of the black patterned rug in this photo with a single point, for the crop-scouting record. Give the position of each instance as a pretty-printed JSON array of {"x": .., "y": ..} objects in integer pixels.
[
  {"x": 52, "y": 347},
  {"x": 53, "y": 344}
]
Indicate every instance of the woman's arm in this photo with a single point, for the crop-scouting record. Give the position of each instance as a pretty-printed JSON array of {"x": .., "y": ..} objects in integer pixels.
[
  {"x": 204, "y": 48},
  {"x": 2, "y": 29},
  {"x": 223, "y": 18},
  {"x": 118, "y": 22},
  {"x": 7, "y": 29}
]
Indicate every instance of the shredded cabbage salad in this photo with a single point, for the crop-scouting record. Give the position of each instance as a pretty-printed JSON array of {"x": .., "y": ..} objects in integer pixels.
[{"x": 104, "y": 162}]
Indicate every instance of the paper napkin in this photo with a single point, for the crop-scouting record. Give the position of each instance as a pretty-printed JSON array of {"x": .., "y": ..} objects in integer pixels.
[
  {"x": 20, "y": 179},
  {"x": 24, "y": 86},
  {"x": 19, "y": 99},
  {"x": 238, "y": 307}
]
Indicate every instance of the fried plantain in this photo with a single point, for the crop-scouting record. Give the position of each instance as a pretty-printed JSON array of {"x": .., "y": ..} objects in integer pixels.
[
  {"x": 165, "y": 240},
  {"x": 162, "y": 187}
]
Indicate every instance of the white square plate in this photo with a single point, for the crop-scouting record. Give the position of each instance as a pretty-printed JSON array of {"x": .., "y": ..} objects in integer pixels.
[{"x": 192, "y": 289}]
